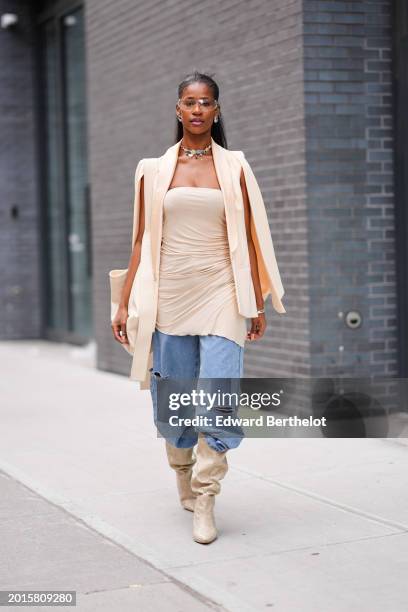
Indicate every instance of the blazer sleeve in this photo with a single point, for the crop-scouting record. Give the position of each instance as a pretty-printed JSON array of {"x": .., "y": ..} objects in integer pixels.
[
  {"x": 269, "y": 275},
  {"x": 136, "y": 204}
]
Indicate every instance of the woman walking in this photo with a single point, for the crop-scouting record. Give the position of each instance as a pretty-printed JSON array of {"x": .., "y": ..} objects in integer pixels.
[{"x": 215, "y": 265}]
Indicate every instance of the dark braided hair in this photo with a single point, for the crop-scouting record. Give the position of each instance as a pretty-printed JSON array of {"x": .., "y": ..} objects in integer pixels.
[{"x": 217, "y": 129}]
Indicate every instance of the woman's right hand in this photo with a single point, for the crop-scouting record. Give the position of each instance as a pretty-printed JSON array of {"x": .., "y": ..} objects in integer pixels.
[{"x": 119, "y": 325}]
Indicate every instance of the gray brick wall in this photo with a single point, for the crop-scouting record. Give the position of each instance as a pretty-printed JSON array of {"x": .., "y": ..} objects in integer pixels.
[
  {"x": 19, "y": 234},
  {"x": 135, "y": 60},
  {"x": 306, "y": 94},
  {"x": 350, "y": 200}
]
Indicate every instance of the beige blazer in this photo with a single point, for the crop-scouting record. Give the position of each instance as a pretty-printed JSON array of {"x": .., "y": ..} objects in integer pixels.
[{"x": 143, "y": 298}]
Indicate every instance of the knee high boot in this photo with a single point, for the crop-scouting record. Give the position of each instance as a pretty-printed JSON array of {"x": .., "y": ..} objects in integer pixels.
[
  {"x": 211, "y": 466},
  {"x": 182, "y": 461}
]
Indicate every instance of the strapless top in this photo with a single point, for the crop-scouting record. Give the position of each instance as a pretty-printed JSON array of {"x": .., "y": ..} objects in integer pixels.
[{"x": 196, "y": 284}]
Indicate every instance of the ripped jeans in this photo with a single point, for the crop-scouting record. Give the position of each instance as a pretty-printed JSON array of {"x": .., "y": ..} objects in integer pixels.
[{"x": 201, "y": 358}]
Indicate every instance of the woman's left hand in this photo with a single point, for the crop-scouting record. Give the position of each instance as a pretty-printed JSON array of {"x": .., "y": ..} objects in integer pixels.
[{"x": 257, "y": 328}]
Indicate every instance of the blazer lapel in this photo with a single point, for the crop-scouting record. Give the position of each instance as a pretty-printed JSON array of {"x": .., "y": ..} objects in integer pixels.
[
  {"x": 165, "y": 172},
  {"x": 223, "y": 170}
]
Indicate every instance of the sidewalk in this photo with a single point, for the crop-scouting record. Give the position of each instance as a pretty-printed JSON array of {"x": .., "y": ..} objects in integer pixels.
[{"x": 304, "y": 524}]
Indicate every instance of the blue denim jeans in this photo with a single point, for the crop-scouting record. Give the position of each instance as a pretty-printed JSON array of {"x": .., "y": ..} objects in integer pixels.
[{"x": 201, "y": 358}]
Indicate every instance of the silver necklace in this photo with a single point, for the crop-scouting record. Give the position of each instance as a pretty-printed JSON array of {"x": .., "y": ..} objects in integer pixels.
[{"x": 197, "y": 152}]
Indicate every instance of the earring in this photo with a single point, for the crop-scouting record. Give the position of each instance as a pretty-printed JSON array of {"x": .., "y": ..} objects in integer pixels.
[
  {"x": 179, "y": 118},
  {"x": 216, "y": 119}
]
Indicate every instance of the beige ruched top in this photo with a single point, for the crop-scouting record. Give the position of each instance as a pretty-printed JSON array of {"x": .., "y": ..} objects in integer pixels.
[{"x": 196, "y": 283}]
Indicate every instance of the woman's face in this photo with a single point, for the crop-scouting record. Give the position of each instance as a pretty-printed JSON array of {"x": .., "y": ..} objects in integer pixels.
[{"x": 197, "y": 118}]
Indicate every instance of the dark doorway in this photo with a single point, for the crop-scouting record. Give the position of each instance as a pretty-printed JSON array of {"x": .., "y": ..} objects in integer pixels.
[
  {"x": 400, "y": 57},
  {"x": 64, "y": 172}
]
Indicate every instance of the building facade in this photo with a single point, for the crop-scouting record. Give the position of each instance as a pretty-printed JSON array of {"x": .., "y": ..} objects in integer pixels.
[{"x": 312, "y": 91}]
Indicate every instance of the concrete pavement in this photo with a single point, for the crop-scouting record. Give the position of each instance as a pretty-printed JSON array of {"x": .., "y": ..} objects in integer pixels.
[
  {"x": 44, "y": 547},
  {"x": 304, "y": 524}
]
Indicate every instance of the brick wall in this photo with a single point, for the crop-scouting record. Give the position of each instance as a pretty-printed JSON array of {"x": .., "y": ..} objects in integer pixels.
[
  {"x": 306, "y": 94},
  {"x": 135, "y": 60},
  {"x": 19, "y": 237},
  {"x": 350, "y": 200}
]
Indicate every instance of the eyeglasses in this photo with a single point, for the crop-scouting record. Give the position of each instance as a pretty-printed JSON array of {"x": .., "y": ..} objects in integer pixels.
[{"x": 205, "y": 103}]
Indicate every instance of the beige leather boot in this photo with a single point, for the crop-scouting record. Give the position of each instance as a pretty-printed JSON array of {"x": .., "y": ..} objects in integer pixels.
[
  {"x": 182, "y": 461},
  {"x": 211, "y": 467}
]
